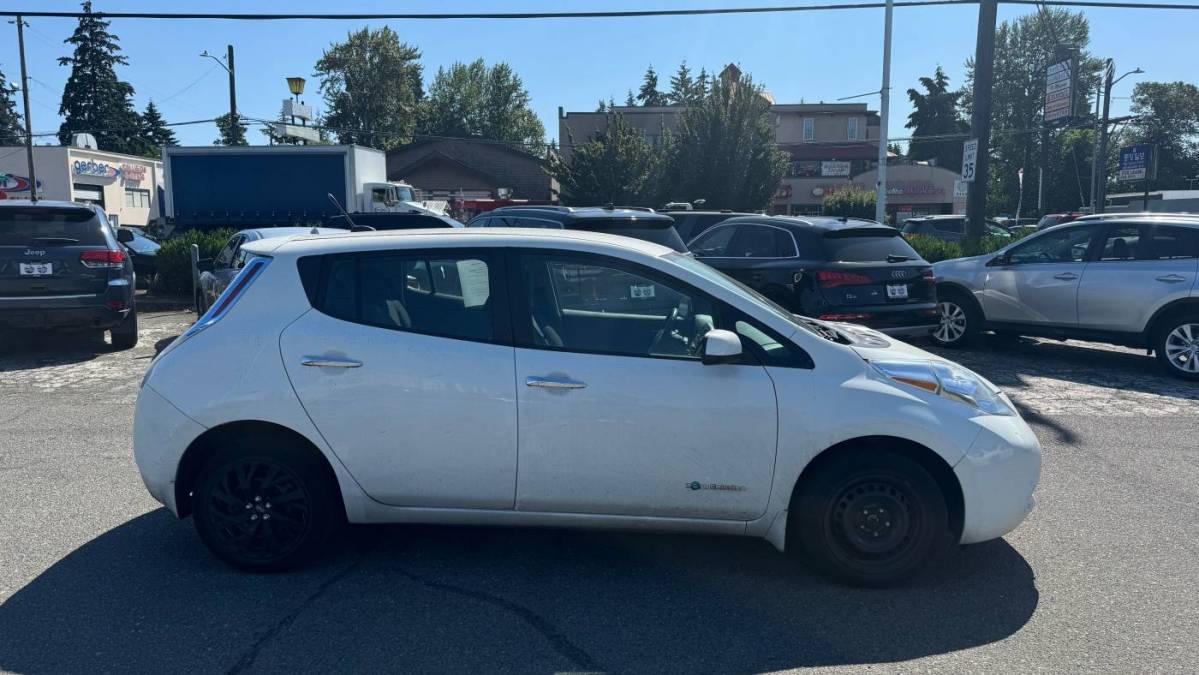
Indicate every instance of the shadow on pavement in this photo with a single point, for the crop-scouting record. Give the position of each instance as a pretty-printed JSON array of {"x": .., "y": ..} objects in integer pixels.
[
  {"x": 26, "y": 350},
  {"x": 146, "y": 596}
]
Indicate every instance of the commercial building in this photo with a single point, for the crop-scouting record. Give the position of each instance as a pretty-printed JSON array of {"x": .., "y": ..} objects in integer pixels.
[
  {"x": 128, "y": 188},
  {"x": 473, "y": 175}
]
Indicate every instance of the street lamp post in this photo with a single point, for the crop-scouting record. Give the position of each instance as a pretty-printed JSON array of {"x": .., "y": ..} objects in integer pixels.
[
  {"x": 1101, "y": 151},
  {"x": 227, "y": 64}
]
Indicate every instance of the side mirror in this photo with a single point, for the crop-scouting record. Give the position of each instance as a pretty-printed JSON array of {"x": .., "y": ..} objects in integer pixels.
[
  {"x": 362, "y": 228},
  {"x": 999, "y": 261},
  {"x": 124, "y": 235},
  {"x": 204, "y": 264},
  {"x": 721, "y": 346}
]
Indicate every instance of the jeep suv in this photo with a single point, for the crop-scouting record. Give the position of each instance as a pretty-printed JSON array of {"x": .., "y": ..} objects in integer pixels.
[
  {"x": 62, "y": 267},
  {"x": 637, "y": 223},
  {"x": 1129, "y": 281}
]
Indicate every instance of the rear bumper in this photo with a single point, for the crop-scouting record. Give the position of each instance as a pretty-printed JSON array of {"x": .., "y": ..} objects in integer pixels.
[
  {"x": 909, "y": 320},
  {"x": 80, "y": 311}
]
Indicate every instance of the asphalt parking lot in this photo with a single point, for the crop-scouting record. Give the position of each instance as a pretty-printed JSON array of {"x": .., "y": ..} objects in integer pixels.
[{"x": 95, "y": 576}]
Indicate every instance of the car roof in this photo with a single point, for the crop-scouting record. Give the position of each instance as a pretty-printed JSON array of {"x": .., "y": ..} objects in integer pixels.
[
  {"x": 940, "y": 216},
  {"x": 815, "y": 224},
  {"x": 582, "y": 213},
  {"x": 272, "y": 232},
  {"x": 343, "y": 241},
  {"x": 1137, "y": 215},
  {"x": 47, "y": 203}
]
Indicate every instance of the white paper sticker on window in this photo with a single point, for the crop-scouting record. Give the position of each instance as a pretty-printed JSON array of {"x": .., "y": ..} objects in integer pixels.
[
  {"x": 472, "y": 275},
  {"x": 645, "y": 291}
]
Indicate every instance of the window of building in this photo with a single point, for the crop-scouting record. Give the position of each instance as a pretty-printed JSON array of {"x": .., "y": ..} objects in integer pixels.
[
  {"x": 853, "y": 128},
  {"x": 809, "y": 129},
  {"x": 137, "y": 198},
  {"x": 88, "y": 194}
]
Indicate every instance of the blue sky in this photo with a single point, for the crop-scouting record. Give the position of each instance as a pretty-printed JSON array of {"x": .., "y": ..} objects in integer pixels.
[{"x": 812, "y": 56}]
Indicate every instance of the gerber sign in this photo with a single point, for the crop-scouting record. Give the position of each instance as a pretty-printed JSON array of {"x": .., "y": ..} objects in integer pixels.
[{"x": 92, "y": 168}]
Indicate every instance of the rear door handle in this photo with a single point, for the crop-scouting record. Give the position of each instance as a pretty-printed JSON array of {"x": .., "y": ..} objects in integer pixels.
[
  {"x": 326, "y": 362},
  {"x": 553, "y": 383},
  {"x": 1066, "y": 276},
  {"x": 1172, "y": 279}
]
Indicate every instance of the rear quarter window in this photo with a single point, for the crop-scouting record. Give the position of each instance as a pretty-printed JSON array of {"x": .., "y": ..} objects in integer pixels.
[
  {"x": 867, "y": 248},
  {"x": 21, "y": 226}
]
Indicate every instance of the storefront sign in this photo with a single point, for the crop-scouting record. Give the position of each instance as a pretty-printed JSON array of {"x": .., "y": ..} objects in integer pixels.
[
  {"x": 1059, "y": 91},
  {"x": 133, "y": 173},
  {"x": 914, "y": 188},
  {"x": 1137, "y": 163},
  {"x": 834, "y": 168},
  {"x": 92, "y": 168},
  {"x": 13, "y": 183}
]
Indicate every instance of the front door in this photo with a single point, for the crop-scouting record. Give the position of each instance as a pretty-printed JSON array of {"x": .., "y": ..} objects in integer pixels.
[
  {"x": 617, "y": 415},
  {"x": 1038, "y": 284},
  {"x": 405, "y": 368}
]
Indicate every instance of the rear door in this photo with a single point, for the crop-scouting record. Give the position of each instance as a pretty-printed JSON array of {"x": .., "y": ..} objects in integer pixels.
[
  {"x": 1038, "y": 282},
  {"x": 41, "y": 249},
  {"x": 1138, "y": 268}
]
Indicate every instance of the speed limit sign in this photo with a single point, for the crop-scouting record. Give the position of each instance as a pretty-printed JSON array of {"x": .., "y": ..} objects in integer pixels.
[{"x": 969, "y": 159}]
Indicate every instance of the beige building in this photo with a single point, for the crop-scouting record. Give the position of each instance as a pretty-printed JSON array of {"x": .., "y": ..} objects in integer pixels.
[{"x": 127, "y": 187}]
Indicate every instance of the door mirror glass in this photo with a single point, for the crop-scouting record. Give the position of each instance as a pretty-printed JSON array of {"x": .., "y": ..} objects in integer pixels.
[
  {"x": 721, "y": 346},
  {"x": 124, "y": 235},
  {"x": 999, "y": 261}
]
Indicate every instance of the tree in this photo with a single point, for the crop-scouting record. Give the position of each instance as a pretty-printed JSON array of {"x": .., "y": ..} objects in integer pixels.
[
  {"x": 94, "y": 99},
  {"x": 1168, "y": 118},
  {"x": 12, "y": 132},
  {"x": 231, "y": 134},
  {"x": 702, "y": 83},
  {"x": 724, "y": 150},
  {"x": 155, "y": 134},
  {"x": 682, "y": 87},
  {"x": 649, "y": 95},
  {"x": 615, "y": 166},
  {"x": 472, "y": 100},
  {"x": 850, "y": 202},
  {"x": 372, "y": 88},
  {"x": 934, "y": 114},
  {"x": 1023, "y": 49},
  {"x": 630, "y": 100}
]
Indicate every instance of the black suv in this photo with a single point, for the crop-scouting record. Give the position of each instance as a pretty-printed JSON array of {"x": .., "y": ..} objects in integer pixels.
[
  {"x": 638, "y": 223},
  {"x": 833, "y": 269},
  {"x": 63, "y": 267},
  {"x": 691, "y": 224}
]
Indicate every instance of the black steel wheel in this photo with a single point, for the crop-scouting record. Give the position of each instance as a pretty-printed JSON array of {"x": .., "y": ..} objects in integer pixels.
[
  {"x": 869, "y": 518},
  {"x": 264, "y": 509}
]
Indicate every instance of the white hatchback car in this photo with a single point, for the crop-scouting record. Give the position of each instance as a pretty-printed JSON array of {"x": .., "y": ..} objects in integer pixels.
[{"x": 563, "y": 378}]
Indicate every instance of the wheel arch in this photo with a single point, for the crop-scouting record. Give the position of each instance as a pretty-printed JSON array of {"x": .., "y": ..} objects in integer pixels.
[
  {"x": 1181, "y": 305},
  {"x": 956, "y": 287},
  {"x": 203, "y": 445},
  {"x": 940, "y": 470}
]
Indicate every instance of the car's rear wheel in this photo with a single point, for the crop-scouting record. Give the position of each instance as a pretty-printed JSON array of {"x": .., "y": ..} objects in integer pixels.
[
  {"x": 124, "y": 334},
  {"x": 263, "y": 506},
  {"x": 869, "y": 518},
  {"x": 1177, "y": 346},
  {"x": 958, "y": 320}
]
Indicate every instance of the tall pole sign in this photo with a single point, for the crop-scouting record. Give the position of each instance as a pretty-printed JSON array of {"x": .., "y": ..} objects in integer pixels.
[{"x": 1060, "y": 77}]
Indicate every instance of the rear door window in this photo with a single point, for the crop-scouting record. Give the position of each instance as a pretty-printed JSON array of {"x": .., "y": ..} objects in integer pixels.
[
  {"x": 1122, "y": 242},
  {"x": 761, "y": 241},
  {"x": 951, "y": 225},
  {"x": 36, "y": 225}
]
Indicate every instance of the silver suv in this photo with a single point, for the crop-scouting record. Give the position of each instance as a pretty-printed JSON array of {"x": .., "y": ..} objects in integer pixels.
[{"x": 1128, "y": 281}]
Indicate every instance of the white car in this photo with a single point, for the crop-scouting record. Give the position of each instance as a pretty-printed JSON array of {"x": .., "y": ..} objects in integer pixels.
[{"x": 563, "y": 378}]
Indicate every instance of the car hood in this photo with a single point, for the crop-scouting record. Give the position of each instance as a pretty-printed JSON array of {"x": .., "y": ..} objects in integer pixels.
[
  {"x": 953, "y": 267},
  {"x": 872, "y": 345}
]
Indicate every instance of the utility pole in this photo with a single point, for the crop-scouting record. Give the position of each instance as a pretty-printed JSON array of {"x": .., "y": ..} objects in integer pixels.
[
  {"x": 1095, "y": 148},
  {"x": 1101, "y": 159},
  {"x": 25, "y": 99},
  {"x": 880, "y": 204},
  {"x": 980, "y": 122},
  {"x": 232, "y": 86}
]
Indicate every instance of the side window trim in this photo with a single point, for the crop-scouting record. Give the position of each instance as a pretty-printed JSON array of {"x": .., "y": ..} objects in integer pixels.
[{"x": 741, "y": 233}]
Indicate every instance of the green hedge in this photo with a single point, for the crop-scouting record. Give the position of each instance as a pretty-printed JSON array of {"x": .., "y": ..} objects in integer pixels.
[
  {"x": 850, "y": 202},
  {"x": 935, "y": 250},
  {"x": 174, "y": 258}
]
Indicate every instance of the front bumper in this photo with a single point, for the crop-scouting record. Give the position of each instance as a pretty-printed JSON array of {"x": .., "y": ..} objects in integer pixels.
[
  {"x": 998, "y": 475},
  {"x": 161, "y": 434}
]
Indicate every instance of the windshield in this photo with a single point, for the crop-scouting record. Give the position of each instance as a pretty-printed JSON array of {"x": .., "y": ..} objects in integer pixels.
[{"x": 404, "y": 193}]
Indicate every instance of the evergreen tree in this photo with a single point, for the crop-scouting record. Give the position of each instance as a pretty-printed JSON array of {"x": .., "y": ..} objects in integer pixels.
[
  {"x": 474, "y": 100},
  {"x": 94, "y": 99},
  {"x": 615, "y": 166},
  {"x": 649, "y": 95},
  {"x": 702, "y": 83},
  {"x": 682, "y": 86},
  {"x": 1168, "y": 118},
  {"x": 231, "y": 134},
  {"x": 934, "y": 114},
  {"x": 630, "y": 100},
  {"x": 155, "y": 134},
  {"x": 11, "y": 130}
]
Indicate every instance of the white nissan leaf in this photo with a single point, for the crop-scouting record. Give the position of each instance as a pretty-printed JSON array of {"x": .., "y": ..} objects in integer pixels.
[{"x": 565, "y": 379}]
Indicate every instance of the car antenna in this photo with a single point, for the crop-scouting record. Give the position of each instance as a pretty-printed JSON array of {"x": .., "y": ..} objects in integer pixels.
[{"x": 343, "y": 211}]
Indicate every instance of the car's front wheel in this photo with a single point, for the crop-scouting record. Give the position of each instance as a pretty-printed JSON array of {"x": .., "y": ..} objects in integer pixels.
[
  {"x": 957, "y": 320},
  {"x": 264, "y": 506},
  {"x": 869, "y": 518},
  {"x": 1177, "y": 346}
]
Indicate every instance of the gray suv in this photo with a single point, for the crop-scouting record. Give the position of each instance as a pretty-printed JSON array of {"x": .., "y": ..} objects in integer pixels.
[{"x": 1128, "y": 281}]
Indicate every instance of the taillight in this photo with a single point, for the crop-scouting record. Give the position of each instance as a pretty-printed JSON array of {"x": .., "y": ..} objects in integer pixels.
[
  {"x": 101, "y": 259},
  {"x": 927, "y": 275},
  {"x": 230, "y": 297},
  {"x": 832, "y": 279}
]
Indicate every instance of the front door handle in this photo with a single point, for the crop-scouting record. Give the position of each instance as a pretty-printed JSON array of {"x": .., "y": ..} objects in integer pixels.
[
  {"x": 1066, "y": 276},
  {"x": 1172, "y": 279},
  {"x": 553, "y": 383},
  {"x": 326, "y": 362}
]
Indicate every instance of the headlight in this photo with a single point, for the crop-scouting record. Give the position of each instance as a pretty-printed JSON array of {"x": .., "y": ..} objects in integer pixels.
[{"x": 949, "y": 380}]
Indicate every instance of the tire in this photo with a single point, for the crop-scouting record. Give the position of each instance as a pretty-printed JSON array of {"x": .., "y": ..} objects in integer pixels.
[
  {"x": 264, "y": 505},
  {"x": 868, "y": 518},
  {"x": 124, "y": 334},
  {"x": 1177, "y": 346},
  {"x": 959, "y": 320}
]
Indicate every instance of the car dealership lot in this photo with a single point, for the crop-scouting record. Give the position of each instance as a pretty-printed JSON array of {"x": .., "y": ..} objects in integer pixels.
[{"x": 95, "y": 576}]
